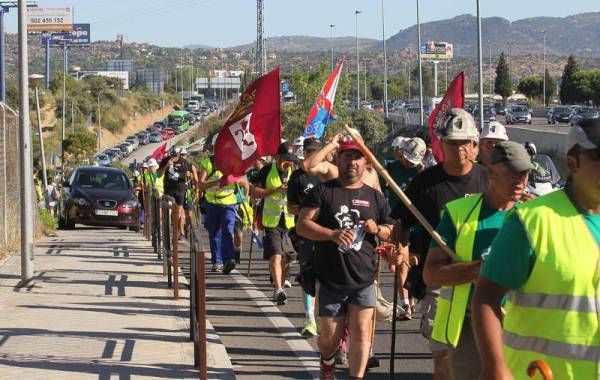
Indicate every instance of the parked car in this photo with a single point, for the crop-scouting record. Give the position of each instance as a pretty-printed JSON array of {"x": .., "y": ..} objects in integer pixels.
[
  {"x": 127, "y": 149},
  {"x": 160, "y": 124},
  {"x": 559, "y": 115},
  {"x": 518, "y": 114},
  {"x": 144, "y": 138},
  {"x": 112, "y": 155},
  {"x": 133, "y": 142},
  {"x": 103, "y": 159},
  {"x": 192, "y": 105},
  {"x": 98, "y": 196},
  {"x": 170, "y": 132},
  {"x": 500, "y": 109},
  {"x": 155, "y": 137},
  {"x": 119, "y": 152},
  {"x": 489, "y": 113},
  {"x": 583, "y": 113}
]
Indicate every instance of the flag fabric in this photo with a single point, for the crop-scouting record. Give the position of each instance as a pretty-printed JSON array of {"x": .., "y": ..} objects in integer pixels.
[
  {"x": 453, "y": 98},
  {"x": 159, "y": 153},
  {"x": 321, "y": 113},
  {"x": 253, "y": 129}
]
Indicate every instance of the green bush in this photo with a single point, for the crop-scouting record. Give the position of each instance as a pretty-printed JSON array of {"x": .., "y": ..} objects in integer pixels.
[{"x": 47, "y": 221}]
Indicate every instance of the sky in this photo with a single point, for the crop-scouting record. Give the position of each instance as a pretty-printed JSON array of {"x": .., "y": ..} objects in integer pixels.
[{"x": 225, "y": 23}]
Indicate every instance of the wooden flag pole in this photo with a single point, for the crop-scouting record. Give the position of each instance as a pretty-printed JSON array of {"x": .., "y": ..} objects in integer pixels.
[{"x": 398, "y": 191}]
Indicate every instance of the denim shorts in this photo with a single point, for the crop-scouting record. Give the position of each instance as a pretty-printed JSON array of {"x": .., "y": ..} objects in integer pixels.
[{"x": 334, "y": 303}]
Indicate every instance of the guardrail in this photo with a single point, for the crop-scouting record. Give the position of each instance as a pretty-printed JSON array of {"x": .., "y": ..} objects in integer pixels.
[{"x": 198, "y": 296}]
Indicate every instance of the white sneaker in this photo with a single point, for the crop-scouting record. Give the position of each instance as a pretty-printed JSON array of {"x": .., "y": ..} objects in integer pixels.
[{"x": 287, "y": 284}]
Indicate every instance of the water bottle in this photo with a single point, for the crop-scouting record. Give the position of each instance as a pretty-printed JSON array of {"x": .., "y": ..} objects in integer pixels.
[{"x": 359, "y": 234}]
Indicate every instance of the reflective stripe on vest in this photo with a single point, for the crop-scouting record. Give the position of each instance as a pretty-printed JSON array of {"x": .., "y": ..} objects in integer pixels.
[
  {"x": 217, "y": 195},
  {"x": 452, "y": 303},
  {"x": 276, "y": 203},
  {"x": 555, "y": 315}
]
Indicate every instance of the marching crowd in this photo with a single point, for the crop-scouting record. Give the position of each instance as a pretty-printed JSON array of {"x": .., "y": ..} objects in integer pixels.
[{"x": 505, "y": 277}]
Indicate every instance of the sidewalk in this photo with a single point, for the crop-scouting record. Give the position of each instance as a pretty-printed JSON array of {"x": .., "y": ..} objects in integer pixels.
[{"x": 99, "y": 308}]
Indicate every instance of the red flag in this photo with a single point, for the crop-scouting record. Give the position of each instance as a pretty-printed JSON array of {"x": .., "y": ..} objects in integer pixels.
[
  {"x": 454, "y": 98},
  {"x": 159, "y": 153},
  {"x": 254, "y": 128}
]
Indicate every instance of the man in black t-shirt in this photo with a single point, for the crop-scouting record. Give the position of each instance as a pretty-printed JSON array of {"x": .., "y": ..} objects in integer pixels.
[
  {"x": 343, "y": 217},
  {"x": 299, "y": 186},
  {"x": 175, "y": 170},
  {"x": 429, "y": 191}
]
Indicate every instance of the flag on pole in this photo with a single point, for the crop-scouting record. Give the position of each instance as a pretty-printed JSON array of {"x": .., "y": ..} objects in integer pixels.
[
  {"x": 320, "y": 113},
  {"x": 159, "y": 153},
  {"x": 253, "y": 129},
  {"x": 453, "y": 98}
]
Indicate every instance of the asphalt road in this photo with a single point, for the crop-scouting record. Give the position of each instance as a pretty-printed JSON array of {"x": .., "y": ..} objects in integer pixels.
[{"x": 263, "y": 340}]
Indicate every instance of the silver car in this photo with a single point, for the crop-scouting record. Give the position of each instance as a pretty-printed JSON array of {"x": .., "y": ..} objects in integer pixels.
[{"x": 518, "y": 114}]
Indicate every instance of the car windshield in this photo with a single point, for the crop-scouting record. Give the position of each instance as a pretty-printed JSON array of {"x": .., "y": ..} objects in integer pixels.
[
  {"x": 101, "y": 180},
  {"x": 519, "y": 109},
  {"x": 584, "y": 110},
  {"x": 562, "y": 109},
  {"x": 101, "y": 157}
]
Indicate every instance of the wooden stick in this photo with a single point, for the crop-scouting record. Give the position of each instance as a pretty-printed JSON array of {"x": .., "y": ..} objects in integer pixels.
[
  {"x": 374, "y": 321},
  {"x": 394, "y": 186}
]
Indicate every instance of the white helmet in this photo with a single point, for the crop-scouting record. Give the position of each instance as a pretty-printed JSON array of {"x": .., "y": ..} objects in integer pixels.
[
  {"x": 414, "y": 150},
  {"x": 298, "y": 141}
]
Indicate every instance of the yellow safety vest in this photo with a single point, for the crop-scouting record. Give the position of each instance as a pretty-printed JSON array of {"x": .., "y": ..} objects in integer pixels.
[
  {"x": 555, "y": 315},
  {"x": 452, "y": 302},
  {"x": 217, "y": 195},
  {"x": 149, "y": 180},
  {"x": 160, "y": 185},
  {"x": 276, "y": 203}
]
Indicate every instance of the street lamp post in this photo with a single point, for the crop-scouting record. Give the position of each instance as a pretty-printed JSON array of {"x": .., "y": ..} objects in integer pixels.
[
  {"x": 356, "y": 13},
  {"x": 480, "y": 64},
  {"x": 544, "y": 82},
  {"x": 385, "y": 81},
  {"x": 331, "y": 26},
  {"x": 491, "y": 71},
  {"x": 420, "y": 67}
]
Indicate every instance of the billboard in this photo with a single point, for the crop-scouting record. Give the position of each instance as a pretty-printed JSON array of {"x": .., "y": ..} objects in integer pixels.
[
  {"x": 49, "y": 19},
  {"x": 80, "y": 35},
  {"x": 437, "y": 50}
]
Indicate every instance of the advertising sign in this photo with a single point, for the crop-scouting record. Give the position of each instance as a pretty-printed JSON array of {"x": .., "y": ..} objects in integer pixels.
[
  {"x": 80, "y": 35},
  {"x": 49, "y": 19},
  {"x": 436, "y": 50}
]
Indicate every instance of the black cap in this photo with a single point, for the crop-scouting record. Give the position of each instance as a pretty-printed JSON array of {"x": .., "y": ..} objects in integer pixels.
[
  {"x": 286, "y": 152},
  {"x": 511, "y": 154},
  {"x": 311, "y": 143}
]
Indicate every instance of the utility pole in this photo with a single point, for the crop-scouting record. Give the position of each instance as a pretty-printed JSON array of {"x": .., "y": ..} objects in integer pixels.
[
  {"x": 331, "y": 26},
  {"x": 421, "y": 116},
  {"x": 25, "y": 167},
  {"x": 491, "y": 71},
  {"x": 480, "y": 64},
  {"x": 544, "y": 83},
  {"x": 64, "y": 103},
  {"x": 385, "y": 81},
  {"x": 356, "y": 13},
  {"x": 261, "y": 54}
]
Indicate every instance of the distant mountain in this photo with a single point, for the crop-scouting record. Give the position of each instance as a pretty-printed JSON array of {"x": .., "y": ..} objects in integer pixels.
[
  {"x": 303, "y": 44},
  {"x": 578, "y": 34},
  {"x": 195, "y": 46}
]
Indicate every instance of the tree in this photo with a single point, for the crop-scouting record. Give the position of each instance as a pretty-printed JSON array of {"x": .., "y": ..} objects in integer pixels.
[
  {"x": 502, "y": 85},
  {"x": 370, "y": 125},
  {"x": 532, "y": 87},
  {"x": 550, "y": 87},
  {"x": 568, "y": 90},
  {"x": 427, "y": 81},
  {"x": 80, "y": 144}
]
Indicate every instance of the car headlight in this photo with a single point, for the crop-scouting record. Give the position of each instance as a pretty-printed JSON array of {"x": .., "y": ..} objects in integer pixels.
[
  {"x": 132, "y": 203},
  {"x": 80, "y": 201}
]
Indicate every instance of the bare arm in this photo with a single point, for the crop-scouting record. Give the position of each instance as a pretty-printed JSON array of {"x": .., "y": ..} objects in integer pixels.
[
  {"x": 440, "y": 270},
  {"x": 293, "y": 208},
  {"x": 317, "y": 163},
  {"x": 203, "y": 184},
  {"x": 487, "y": 323},
  {"x": 259, "y": 192},
  {"x": 371, "y": 179},
  {"x": 309, "y": 229}
]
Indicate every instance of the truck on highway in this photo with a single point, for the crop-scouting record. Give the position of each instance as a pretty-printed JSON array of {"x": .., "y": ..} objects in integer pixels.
[{"x": 178, "y": 120}]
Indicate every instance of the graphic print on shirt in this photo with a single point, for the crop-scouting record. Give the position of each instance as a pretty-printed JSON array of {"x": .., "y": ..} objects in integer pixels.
[
  {"x": 308, "y": 188},
  {"x": 349, "y": 219}
]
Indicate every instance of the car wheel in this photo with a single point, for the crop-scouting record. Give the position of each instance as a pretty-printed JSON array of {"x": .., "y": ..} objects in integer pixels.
[{"x": 529, "y": 122}]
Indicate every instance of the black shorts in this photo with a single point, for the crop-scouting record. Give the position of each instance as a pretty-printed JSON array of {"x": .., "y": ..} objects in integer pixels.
[
  {"x": 276, "y": 242},
  {"x": 179, "y": 196}
]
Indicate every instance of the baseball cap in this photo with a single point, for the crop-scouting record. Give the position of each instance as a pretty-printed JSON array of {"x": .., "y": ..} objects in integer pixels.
[
  {"x": 286, "y": 152},
  {"x": 459, "y": 125},
  {"x": 586, "y": 134},
  {"x": 512, "y": 154},
  {"x": 399, "y": 141},
  {"x": 175, "y": 150},
  {"x": 312, "y": 143},
  {"x": 153, "y": 162},
  {"x": 494, "y": 130},
  {"x": 184, "y": 151},
  {"x": 414, "y": 150},
  {"x": 348, "y": 144}
]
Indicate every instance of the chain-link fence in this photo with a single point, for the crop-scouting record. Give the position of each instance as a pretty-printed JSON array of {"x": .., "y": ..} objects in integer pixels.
[{"x": 9, "y": 178}]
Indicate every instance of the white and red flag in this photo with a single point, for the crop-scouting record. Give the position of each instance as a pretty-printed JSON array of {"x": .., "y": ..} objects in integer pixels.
[
  {"x": 453, "y": 98},
  {"x": 321, "y": 111},
  {"x": 253, "y": 130},
  {"x": 159, "y": 153}
]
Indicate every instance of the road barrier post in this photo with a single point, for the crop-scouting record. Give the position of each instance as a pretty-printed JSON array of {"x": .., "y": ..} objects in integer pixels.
[
  {"x": 174, "y": 247},
  {"x": 166, "y": 239},
  {"x": 198, "y": 299}
]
